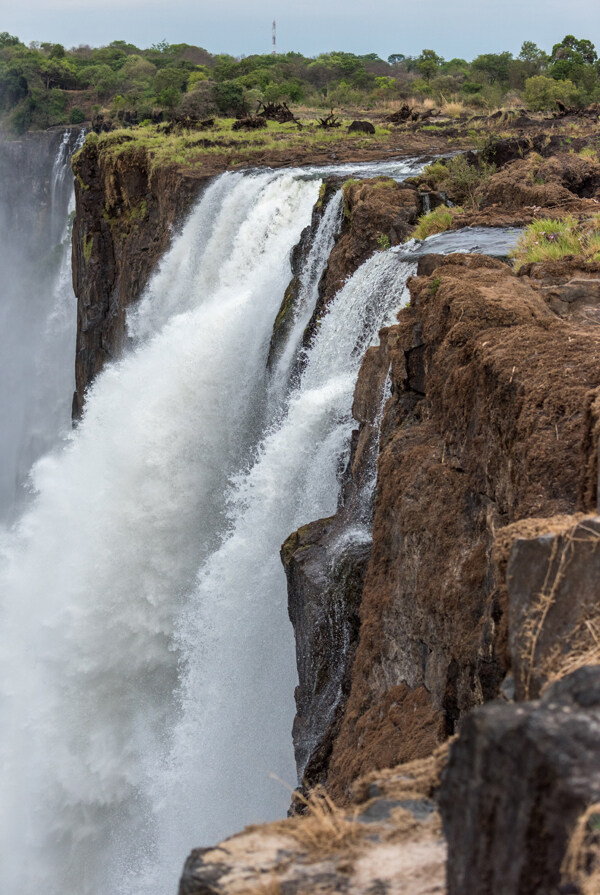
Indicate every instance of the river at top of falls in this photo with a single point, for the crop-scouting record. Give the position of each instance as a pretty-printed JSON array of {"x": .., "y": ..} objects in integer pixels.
[{"x": 147, "y": 664}]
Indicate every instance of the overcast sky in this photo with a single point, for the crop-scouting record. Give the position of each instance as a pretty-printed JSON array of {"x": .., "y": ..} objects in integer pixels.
[{"x": 453, "y": 28}]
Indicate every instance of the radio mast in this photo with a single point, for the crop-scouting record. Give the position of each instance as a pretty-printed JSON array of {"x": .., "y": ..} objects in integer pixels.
[{"x": 274, "y": 50}]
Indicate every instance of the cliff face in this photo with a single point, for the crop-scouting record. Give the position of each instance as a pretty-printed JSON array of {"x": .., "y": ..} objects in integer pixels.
[
  {"x": 486, "y": 425},
  {"x": 478, "y": 415},
  {"x": 125, "y": 216},
  {"x": 325, "y": 567}
]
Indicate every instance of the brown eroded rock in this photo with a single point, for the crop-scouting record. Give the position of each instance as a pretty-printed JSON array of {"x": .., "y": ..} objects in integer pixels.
[
  {"x": 552, "y": 568},
  {"x": 374, "y": 208},
  {"x": 487, "y": 424},
  {"x": 556, "y": 182}
]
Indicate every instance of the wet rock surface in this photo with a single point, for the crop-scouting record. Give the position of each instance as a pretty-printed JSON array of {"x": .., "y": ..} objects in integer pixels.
[
  {"x": 300, "y": 253},
  {"x": 518, "y": 778}
]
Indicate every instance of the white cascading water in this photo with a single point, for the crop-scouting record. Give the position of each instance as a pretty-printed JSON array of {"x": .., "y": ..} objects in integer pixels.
[{"x": 147, "y": 668}]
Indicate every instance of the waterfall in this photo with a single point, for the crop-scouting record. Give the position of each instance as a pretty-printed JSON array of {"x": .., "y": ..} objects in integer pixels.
[
  {"x": 147, "y": 663},
  {"x": 147, "y": 669},
  {"x": 38, "y": 308}
]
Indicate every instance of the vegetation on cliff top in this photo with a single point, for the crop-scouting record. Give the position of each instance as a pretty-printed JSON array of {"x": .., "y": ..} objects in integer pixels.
[
  {"x": 190, "y": 149},
  {"x": 547, "y": 239},
  {"x": 44, "y": 84}
]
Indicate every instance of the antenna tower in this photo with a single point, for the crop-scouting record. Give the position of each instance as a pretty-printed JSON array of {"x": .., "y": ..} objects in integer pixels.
[{"x": 274, "y": 50}]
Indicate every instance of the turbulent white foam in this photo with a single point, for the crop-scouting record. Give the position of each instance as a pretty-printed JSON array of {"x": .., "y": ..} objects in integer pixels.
[
  {"x": 102, "y": 562},
  {"x": 147, "y": 667},
  {"x": 308, "y": 292}
]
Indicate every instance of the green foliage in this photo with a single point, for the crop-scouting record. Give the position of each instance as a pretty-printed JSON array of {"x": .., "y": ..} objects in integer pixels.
[
  {"x": 494, "y": 67},
  {"x": 434, "y": 285},
  {"x": 541, "y": 93},
  {"x": 437, "y": 221},
  {"x": 88, "y": 245},
  {"x": 383, "y": 242},
  {"x": 76, "y": 116},
  {"x": 123, "y": 78},
  {"x": 428, "y": 63},
  {"x": 547, "y": 239},
  {"x": 457, "y": 177},
  {"x": 229, "y": 97}
]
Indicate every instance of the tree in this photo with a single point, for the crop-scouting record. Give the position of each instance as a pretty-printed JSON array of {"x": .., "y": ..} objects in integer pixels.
[
  {"x": 571, "y": 49},
  {"x": 170, "y": 78},
  {"x": 8, "y": 40},
  {"x": 428, "y": 63},
  {"x": 396, "y": 58},
  {"x": 494, "y": 66},
  {"x": 229, "y": 97}
]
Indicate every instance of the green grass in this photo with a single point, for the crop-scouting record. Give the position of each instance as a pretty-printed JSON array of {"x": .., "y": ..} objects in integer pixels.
[
  {"x": 434, "y": 285},
  {"x": 588, "y": 152},
  {"x": 437, "y": 221},
  {"x": 189, "y": 148},
  {"x": 548, "y": 239},
  {"x": 88, "y": 245}
]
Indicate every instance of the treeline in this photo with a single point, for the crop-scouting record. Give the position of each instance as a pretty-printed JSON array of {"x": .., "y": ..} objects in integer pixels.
[{"x": 44, "y": 84}]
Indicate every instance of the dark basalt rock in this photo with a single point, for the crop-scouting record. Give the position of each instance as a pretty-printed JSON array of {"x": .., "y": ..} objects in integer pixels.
[
  {"x": 325, "y": 580},
  {"x": 361, "y": 127},
  {"x": 518, "y": 778},
  {"x": 564, "y": 568}
]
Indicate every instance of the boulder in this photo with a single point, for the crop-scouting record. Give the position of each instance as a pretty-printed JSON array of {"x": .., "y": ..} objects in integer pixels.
[
  {"x": 362, "y": 127},
  {"x": 518, "y": 779}
]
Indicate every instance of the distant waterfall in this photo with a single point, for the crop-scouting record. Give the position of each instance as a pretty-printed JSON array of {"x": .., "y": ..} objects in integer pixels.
[
  {"x": 38, "y": 318},
  {"x": 147, "y": 664}
]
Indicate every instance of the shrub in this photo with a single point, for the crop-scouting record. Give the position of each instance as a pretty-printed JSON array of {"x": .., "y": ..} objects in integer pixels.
[
  {"x": 76, "y": 116},
  {"x": 456, "y": 176},
  {"x": 463, "y": 180},
  {"x": 229, "y": 97},
  {"x": 200, "y": 102},
  {"x": 437, "y": 221},
  {"x": 542, "y": 93}
]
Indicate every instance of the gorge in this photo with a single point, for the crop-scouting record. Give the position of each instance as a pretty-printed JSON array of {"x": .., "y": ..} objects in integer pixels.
[{"x": 243, "y": 381}]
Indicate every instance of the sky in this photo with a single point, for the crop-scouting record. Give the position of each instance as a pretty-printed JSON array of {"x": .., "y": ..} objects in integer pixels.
[{"x": 454, "y": 28}]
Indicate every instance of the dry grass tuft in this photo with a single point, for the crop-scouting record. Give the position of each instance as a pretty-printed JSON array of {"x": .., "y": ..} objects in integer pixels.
[
  {"x": 324, "y": 829},
  {"x": 413, "y": 780},
  {"x": 271, "y": 886},
  {"x": 533, "y": 627},
  {"x": 584, "y": 649},
  {"x": 583, "y": 646},
  {"x": 453, "y": 109},
  {"x": 582, "y": 860}
]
